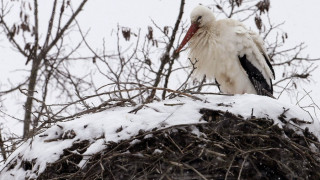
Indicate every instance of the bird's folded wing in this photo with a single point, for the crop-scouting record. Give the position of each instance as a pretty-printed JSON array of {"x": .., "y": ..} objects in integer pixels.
[
  {"x": 260, "y": 83},
  {"x": 254, "y": 59},
  {"x": 251, "y": 44},
  {"x": 259, "y": 43}
]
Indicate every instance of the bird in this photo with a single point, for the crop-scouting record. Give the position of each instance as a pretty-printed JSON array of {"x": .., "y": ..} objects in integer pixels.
[{"x": 226, "y": 52}]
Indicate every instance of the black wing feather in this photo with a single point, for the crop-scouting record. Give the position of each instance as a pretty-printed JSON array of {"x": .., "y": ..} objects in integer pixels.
[
  {"x": 218, "y": 84},
  {"x": 269, "y": 64},
  {"x": 259, "y": 82}
]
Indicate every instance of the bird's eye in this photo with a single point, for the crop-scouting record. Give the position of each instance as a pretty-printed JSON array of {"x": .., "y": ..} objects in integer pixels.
[{"x": 199, "y": 18}]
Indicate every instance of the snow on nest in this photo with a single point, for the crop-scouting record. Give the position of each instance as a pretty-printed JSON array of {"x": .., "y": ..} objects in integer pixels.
[{"x": 48, "y": 146}]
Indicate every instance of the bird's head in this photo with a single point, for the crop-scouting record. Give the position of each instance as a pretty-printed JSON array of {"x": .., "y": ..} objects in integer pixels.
[{"x": 201, "y": 17}]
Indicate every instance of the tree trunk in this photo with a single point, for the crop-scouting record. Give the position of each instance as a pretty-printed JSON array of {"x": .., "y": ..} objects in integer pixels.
[
  {"x": 2, "y": 148},
  {"x": 31, "y": 90}
]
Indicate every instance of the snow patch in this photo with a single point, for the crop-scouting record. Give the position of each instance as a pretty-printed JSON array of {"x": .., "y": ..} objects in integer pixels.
[{"x": 117, "y": 124}]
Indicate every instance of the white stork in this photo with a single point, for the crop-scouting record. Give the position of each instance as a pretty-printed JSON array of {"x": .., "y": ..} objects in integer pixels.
[{"x": 227, "y": 52}]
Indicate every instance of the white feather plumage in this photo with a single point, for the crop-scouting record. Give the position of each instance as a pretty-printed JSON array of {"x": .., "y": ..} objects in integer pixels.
[{"x": 217, "y": 46}]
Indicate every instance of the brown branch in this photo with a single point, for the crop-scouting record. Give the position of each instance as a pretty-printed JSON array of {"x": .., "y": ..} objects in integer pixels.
[
  {"x": 50, "y": 25},
  {"x": 2, "y": 148},
  {"x": 166, "y": 58},
  {"x": 14, "y": 88},
  {"x": 36, "y": 28},
  {"x": 65, "y": 27},
  {"x": 12, "y": 39}
]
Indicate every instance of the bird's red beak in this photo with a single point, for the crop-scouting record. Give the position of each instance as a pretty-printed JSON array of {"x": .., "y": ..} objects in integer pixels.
[{"x": 191, "y": 31}]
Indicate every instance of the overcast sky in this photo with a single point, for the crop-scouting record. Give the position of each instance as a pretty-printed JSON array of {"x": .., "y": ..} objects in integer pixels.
[
  {"x": 301, "y": 22},
  {"x": 302, "y": 25},
  {"x": 300, "y": 17}
]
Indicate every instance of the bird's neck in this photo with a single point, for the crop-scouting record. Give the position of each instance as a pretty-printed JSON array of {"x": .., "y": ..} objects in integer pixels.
[{"x": 204, "y": 38}]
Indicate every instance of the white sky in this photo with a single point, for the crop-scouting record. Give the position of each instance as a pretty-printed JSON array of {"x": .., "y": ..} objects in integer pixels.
[
  {"x": 301, "y": 23},
  {"x": 302, "y": 26},
  {"x": 300, "y": 19}
]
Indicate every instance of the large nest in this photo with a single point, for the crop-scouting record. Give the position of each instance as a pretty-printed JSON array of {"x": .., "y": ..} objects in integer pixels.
[{"x": 227, "y": 146}]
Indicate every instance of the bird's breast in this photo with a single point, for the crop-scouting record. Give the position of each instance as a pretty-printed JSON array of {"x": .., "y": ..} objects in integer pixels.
[
  {"x": 211, "y": 57},
  {"x": 218, "y": 59}
]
